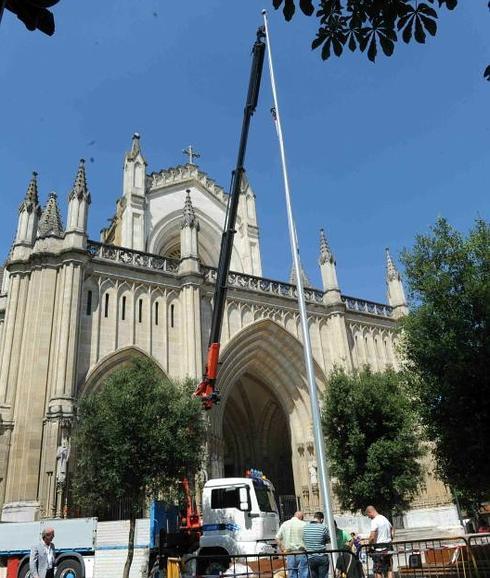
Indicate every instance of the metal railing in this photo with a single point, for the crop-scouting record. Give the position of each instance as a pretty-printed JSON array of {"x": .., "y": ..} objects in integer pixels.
[
  {"x": 279, "y": 565},
  {"x": 452, "y": 557},
  {"x": 479, "y": 546}
]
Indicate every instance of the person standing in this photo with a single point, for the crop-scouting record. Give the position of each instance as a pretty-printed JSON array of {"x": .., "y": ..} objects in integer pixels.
[
  {"x": 290, "y": 541},
  {"x": 315, "y": 537},
  {"x": 42, "y": 558},
  {"x": 380, "y": 537},
  {"x": 344, "y": 539},
  {"x": 356, "y": 544}
]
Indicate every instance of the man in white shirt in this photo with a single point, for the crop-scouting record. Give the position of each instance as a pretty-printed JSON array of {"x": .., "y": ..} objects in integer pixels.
[{"x": 380, "y": 537}]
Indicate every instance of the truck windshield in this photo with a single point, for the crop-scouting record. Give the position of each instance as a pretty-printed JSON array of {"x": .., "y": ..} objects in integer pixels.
[{"x": 265, "y": 498}]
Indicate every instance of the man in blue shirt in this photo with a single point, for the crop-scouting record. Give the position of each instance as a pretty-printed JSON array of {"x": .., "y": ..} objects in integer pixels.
[{"x": 315, "y": 538}]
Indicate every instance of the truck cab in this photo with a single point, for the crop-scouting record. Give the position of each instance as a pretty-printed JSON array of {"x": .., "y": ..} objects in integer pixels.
[{"x": 240, "y": 517}]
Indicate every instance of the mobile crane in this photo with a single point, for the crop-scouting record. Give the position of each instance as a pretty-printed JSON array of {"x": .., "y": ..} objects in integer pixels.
[{"x": 206, "y": 390}]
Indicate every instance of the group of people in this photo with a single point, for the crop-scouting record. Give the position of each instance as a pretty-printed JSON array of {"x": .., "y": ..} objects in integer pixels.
[{"x": 306, "y": 543}]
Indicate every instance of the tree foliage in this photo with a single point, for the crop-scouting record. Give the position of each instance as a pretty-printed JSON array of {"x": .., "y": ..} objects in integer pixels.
[
  {"x": 369, "y": 25},
  {"x": 135, "y": 437},
  {"x": 372, "y": 442},
  {"x": 447, "y": 347}
]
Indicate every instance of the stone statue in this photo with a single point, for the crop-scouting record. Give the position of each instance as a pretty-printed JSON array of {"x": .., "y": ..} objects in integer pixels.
[
  {"x": 62, "y": 455},
  {"x": 313, "y": 474}
]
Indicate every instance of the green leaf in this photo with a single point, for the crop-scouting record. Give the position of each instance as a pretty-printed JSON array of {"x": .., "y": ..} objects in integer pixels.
[
  {"x": 427, "y": 10},
  {"x": 289, "y": 9},
  {"x": 337, "y": 47},
  {"x": 318, "y": 41},
  {"x": 386, "y": 44},
  {"x": 430, "y": 25},
  {"x": 419, "y": 31},
  {"x": 352, "y": 42},
  {"x": 372, "y": 50},
  {"x": 307, "y": 7},
  {"x": 326, "y": 49}
]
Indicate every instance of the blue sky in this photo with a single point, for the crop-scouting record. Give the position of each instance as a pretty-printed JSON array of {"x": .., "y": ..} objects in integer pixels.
[{"x": 376, "y": 151}]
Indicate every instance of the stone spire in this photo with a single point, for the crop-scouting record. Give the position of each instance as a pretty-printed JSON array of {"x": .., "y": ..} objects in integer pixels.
[
  {"x": 133, "y": 215},
  {"x": 135, "y": 147},
  {"x": 325, "y": 252},
  {"x": 80, "y": 190},
  {"x": 29, "y": 212},
  {"x": 391, "y": 271},
  {"x": 31, "y": 199},
  {"x": 189, "y": 218},
  {"x": 304, "y": 278},
  {"x": 395, "y": 292},
  {"x": 78, "y": 203},
  {"x": 328, "y": 271},
  {"x": 50, "y": 222},
  {"x": 189, "y": 240}
]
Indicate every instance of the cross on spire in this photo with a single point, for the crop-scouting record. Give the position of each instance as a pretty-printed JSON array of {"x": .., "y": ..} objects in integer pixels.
[{"x": 191, "y": 153}]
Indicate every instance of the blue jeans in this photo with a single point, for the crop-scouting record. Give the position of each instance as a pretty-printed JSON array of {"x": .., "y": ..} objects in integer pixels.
[
  {"x": 318, "y": 566},
  {"x": 297, "y": 566}
]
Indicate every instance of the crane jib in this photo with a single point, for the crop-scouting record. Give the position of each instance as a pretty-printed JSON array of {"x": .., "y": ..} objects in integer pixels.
[{"x": 206, "y": 390}]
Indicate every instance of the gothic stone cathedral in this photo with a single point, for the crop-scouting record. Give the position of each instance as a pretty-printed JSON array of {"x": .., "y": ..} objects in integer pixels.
[{"x": 72, "y": 310}]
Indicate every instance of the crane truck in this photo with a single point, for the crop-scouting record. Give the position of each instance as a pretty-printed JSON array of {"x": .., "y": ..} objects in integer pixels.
[{"x": 239, "y": 515}]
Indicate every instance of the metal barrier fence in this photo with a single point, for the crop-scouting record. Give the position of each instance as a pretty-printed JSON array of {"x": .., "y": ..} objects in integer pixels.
[
  {"x": 455, "y": 557},
  {"x": 479, "y": 546},
  {"x": 452, "y": 557},
  {"x": 322, "y": 564}
]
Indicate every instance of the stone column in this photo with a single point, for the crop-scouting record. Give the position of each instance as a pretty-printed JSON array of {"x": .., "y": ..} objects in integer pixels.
[
  {"x": 14, "y": 331},
  {"x": 338, "y": 332},
  {"x": 36, "y": 355},
  {"x": 190, "y": 297}
]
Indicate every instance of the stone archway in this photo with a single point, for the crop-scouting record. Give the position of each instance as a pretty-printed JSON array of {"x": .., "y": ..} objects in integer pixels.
[
  {"x": 107, "y": 365},
  {"x": 264, "y": 418},
  {"x": 94, "y": 382},
  {"x": 256, "y": 434}
]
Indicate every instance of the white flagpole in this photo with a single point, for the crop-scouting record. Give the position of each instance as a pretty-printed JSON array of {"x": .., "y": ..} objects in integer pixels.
[{"x": 315, "y": 406}]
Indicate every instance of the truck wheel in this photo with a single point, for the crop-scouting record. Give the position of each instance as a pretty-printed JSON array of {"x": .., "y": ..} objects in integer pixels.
[
  {"x": 216, "y": 567},
  {"x": 24, "y": 571},
  {"x": 69, "y": 568}
]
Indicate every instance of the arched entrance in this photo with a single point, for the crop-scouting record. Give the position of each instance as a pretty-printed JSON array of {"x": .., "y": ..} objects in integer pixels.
[
  {"x": 93, "y": 383},
  {"x": 256, "y": 434},
  {"x": 264, "y": 418}
]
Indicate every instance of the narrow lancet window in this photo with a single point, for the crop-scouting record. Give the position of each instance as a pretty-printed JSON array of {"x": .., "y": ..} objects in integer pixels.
[{"x": 89, "y": 303}]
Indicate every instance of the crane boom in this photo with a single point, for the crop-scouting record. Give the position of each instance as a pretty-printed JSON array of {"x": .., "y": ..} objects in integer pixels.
[{"x": 206, "y": 390}]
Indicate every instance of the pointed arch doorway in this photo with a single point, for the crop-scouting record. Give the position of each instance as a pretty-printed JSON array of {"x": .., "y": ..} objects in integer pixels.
[
  {"x": 264, "y": 419},
  {"x": 256, "y": 434}
]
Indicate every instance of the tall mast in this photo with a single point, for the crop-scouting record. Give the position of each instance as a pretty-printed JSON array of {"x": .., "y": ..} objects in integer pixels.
[{"x": 310, "y": 372}]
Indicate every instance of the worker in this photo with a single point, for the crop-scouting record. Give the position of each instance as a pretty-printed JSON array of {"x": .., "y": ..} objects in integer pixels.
[
  {"x": 380, "y": 537},
  {"x": 290, "y": 541},
  {"x": 344, "y": 539}
]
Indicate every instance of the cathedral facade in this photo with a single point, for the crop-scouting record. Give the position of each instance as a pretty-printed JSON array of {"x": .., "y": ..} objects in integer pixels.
[{"x": 72, "y": 310}]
